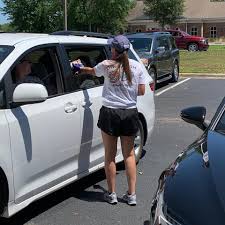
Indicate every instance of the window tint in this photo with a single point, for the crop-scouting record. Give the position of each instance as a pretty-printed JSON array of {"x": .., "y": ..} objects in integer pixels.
[
  {"x": 173, "y": 43},
  {"x": 132, "y": 56},
  {"x": 39, "y": 66},
  {"x": 4, "y": 52},
  {"x": 2, "y": 95},
  {"x": 90, "y": 57},
  {"x": 220, "y": 127},
  {"x": 141, "y": 44},
  {"x": 163, "y": 42}
]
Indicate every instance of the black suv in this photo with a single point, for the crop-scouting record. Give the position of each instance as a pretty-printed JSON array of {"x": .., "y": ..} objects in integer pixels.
[{"x": 159, "y": 53}]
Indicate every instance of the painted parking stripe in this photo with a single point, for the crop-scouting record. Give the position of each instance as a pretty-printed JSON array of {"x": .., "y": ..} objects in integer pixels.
[{"x": 167, "y": 89}]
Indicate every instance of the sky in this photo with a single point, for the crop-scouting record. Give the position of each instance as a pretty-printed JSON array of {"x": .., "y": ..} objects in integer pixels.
[{"x": 3, "y": 19}]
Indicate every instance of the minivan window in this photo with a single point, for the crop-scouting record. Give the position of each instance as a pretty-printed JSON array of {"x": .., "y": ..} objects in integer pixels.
[
  {"x": 43, "y": 68},
  {"x": 141, "y": 44},
  {"x": 89, "y": 56},
  {"x": 220, "y": 127},
  {"x": 2, "y": 94},
  {"x": 4, "y": 52}
]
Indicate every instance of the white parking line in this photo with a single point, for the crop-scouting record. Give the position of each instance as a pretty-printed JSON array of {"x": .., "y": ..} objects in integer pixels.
[{"x": 181, "y": 82}]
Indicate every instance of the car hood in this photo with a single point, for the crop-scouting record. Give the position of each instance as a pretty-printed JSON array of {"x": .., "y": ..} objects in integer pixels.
[{"x": 194, "y": 190}]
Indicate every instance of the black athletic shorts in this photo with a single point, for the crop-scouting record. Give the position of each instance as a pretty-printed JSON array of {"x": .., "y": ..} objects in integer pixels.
[{"x": 118, "y": 122}]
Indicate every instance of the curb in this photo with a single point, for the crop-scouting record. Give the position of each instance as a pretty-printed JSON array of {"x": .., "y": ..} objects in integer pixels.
[{"x": 216, "y": 75}]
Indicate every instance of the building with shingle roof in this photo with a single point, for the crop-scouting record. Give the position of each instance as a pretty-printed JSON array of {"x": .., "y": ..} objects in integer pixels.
[{"x": 201, "y": 17}]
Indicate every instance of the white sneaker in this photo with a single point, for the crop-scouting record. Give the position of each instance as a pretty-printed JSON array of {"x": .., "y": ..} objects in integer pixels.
[
  {"x": 130, "y": 199},
  {"x": 111, "y": 198}
]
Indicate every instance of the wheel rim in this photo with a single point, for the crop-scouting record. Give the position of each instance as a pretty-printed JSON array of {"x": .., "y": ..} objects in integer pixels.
[
  {"x": 176, "y": 72},
  {"x": 193, "y": 47},
  {"x": 137, "y": 143}
]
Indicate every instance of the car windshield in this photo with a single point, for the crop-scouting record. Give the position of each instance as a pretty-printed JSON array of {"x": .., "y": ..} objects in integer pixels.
[
  {"x": 4, "y": 52},
  {"x": 141, "y": 45},
  {"x": 220, "y": 127}
]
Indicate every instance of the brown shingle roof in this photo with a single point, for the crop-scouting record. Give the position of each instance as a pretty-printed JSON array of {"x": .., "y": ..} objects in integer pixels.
[
  {"x": 194, "y": 9},
  {"x": 204, "y": 9}
]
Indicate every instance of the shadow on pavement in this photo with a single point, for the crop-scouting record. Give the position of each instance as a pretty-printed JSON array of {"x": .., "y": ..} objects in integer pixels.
[{"x": 76, "y": 190}]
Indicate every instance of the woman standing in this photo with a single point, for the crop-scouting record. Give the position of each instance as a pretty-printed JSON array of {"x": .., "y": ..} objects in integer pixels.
[{"x": 124, "y": 81}]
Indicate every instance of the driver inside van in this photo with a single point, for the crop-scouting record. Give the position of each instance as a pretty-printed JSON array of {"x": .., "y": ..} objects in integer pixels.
[{"x": 24, "y": 74}]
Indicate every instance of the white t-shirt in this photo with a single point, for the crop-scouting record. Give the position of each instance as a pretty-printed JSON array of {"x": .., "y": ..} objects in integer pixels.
[{"x": 117, "y": 92}]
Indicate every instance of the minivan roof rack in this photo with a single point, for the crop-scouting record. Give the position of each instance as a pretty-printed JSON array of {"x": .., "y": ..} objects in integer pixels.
[
  {"x": 82, "y": 33},
  {"x": 149, "y": 32}
]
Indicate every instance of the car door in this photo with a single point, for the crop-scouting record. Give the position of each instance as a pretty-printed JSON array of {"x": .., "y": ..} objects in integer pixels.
[
  {"x": 164, "y": 58},
  {"x": 180, "y": 40},
  {"x": 90, "y": 89},
  {"x": 45, "y": 137}
]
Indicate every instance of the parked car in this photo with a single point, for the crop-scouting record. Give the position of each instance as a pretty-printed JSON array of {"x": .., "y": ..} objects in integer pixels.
[
  {"x": 49, "y": 136},
  {"x": 191, "y": 191},
  {"x": 189, "y": 42},
  {"x": 160, "y": 54}
]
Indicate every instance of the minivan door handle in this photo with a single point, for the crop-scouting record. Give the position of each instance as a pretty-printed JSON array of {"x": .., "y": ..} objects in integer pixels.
[{"x": 70, "y": 107}]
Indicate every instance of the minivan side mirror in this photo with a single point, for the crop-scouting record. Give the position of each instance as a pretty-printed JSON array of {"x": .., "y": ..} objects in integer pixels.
[
  {"x": 195, "y": 115},
  {"x": 29, "y": 93},
  {"x": 160, "y": 50}
]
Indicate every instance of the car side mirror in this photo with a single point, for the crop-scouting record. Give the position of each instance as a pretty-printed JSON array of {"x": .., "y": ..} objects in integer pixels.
[
  {"x": 160, "y": 50},
  {"x": 29, "y": 93},
  {"x": 195, "y": 115}
]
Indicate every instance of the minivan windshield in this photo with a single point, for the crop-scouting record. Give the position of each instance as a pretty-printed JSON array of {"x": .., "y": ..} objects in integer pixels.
[
  {"x": 141, "y": 45},
  {"x": 5, "y": 50}
]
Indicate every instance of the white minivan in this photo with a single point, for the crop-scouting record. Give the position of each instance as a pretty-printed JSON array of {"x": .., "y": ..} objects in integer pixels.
[{"x": 49, "y": 134}]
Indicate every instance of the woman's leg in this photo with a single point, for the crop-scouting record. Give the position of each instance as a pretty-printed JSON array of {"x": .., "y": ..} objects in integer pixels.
[
  {"x": 127, "y": 143},
  {"x": 110, "y": 144}
]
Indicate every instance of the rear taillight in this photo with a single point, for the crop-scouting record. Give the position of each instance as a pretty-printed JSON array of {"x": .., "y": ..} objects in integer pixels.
[{"x": 152, "y": 86}]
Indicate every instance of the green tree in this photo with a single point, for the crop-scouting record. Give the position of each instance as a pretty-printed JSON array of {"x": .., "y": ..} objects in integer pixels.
[
  {"x": 34, "y": 15},
  {"x": 99, "y": 15},
  {"x": 165, "y": 12},
  {"x": 6, "y": 27}
]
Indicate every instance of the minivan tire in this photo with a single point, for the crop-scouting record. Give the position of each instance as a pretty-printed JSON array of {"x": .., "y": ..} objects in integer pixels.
[
  {"x": 3, "y": 195},
  {"x": 139, "y": 142}
]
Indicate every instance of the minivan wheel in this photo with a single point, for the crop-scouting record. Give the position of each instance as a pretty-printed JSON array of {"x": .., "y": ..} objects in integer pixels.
[
  {"x": 175, "y": 73},
  {"x": 3, "y": 194},
  {"x": 152, "y": 73},
  {"x": 139, "y": 142},
  {"x": 193, "y": 47}
]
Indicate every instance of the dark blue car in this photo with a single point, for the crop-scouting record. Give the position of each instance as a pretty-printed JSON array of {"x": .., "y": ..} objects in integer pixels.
[{"x": 191, "y": 191}]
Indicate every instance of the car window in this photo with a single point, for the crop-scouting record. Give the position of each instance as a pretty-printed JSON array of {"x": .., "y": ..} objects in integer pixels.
[
  {"x": 173, "y": 43},
  {"x": 2, "y": 95},
  {"x": 163, "y": 42},
  {"x": 4, "y": 52},
  {"x": 220, "y": 127},
  {"x": 90, "y": 56},
  {"x": 141, "y": 44},
  {"x": 132, "y": 56},
  {"x": 39, "y": 66}
]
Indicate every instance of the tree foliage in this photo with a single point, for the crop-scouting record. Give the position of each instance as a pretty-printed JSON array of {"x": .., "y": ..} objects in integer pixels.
[
  {"x": 47, "y": 15},
  {"x": 105, "y": 16},
  {"x": 165, "y": 12},
  {"x": 34, "y": 15}
]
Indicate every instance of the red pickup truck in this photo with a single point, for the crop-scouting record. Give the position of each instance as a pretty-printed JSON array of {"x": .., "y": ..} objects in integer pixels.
[{"x": 189, "y": 42}]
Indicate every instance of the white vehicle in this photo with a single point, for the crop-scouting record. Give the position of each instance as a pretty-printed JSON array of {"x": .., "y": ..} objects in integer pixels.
[{"x": 49, "y": 134}]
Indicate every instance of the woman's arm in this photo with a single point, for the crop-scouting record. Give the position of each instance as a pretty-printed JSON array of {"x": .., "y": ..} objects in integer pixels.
[
  {"x": 87, "y": 70},
  {"x": 141, "y": 89}
]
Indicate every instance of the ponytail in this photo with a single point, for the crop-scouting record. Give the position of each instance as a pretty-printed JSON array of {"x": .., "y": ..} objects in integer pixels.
[{"x": 124, "y": 61}]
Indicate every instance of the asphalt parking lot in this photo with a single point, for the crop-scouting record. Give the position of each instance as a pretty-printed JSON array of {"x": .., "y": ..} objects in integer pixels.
[{"x": 81, "y": 203}]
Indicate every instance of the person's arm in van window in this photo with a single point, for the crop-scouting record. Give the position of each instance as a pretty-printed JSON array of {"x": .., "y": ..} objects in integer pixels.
[{"x": 98, "y": 70}]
